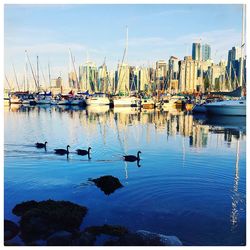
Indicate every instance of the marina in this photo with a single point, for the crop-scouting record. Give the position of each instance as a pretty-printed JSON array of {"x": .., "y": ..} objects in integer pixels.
[
  {"x": 118, "y": 140},
  {"x": 188, "y": 168}
]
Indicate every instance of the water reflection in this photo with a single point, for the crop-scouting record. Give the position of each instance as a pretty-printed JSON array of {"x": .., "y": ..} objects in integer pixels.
[
  {"x": 174, "y": 122},
  {"x": 188, "y": 172}
]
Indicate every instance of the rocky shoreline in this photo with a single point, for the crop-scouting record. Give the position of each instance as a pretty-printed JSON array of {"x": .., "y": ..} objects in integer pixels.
[{"x": 57, "y": 223}]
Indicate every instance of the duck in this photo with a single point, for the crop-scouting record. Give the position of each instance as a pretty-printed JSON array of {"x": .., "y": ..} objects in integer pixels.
[
  {"x": 83, "y": 151},
  {"x": 61, "y": 151},
  {"x": 41, "y": 145},
  {"x": 132, "y": 158}
]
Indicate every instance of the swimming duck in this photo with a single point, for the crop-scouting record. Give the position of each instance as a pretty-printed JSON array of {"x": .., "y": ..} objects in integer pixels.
[
  {"x": 61, "y": 151},
  {"x": 132, "y": 158},
  {"x": 83, "y": 151},
  {"x": 41, "y": 145}
]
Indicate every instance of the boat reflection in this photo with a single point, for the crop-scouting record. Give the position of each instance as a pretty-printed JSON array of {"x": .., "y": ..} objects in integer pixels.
[
  {"x": 174, "y": 122},
  {"x": 98, "y": 109}
]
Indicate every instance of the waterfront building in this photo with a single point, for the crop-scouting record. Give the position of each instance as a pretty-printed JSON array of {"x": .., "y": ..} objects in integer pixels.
[
  {"x": 217, "y": 73},
  {"x": 72, "y": 80},
  {"x": 233, "y": 66},
  {"x": 161, "y": 74},
  {"x": 111, "y": 81},
  {"x": 102, "y": 78},
  {"x": 206, "y": 52},
  {"x": 123, "y": 78},
  {"x": 133, "y": 78},
  {"x": 144, "y": 79},
  {"x": 196, "y": 51},
  {"x": 188, "y": 70},
  {"x": 173, "y": 68},
  {"x": 88, "y": 77}
]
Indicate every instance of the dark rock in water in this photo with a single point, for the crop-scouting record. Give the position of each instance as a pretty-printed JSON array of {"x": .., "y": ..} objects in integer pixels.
[
  {"x": 164, "y": 239},
  {"x": 41, "y": 219},
  {"x": 10, "y": 230},
  {"x": 11, "y": 243},
  {"x": 60, "y": 238},
  {"x": 85, "y": 239},
  {"x": 23, "y": 207},
  {"x": 107, "y": 229},
  {"x": 145, "y": 238},
  {"x": 108, "y": 184}
]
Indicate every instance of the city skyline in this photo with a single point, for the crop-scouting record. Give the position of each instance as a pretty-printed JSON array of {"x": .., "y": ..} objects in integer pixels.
[{"x": 154, "y": 33}]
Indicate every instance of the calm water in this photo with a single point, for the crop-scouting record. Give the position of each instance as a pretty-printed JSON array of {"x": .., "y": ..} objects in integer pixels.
[{"x": 191, "y": 182}]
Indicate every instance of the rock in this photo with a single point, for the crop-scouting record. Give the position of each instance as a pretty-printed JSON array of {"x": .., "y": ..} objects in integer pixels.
[
  {"x": 11, "y": 243},
  {"x": 107, "y": 229},
  {"x": 164, "y": 239},
  {"x": 85, "y": 239},
  {"x": 60, "y": 238},
  {"x": 10, "y": 230},
  {"x": 41, "y": 219},
  {"x": 108, "y": 184},
  {"x": 23, "y": 207},
  {"x": 145, "y": 238}
]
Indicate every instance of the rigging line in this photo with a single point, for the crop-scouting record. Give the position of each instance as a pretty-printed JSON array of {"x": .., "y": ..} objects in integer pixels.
[
  {"x": 33, "y": 74},
  {"x": 8, "y": 82},
  {"x": 16, "y": 77}
]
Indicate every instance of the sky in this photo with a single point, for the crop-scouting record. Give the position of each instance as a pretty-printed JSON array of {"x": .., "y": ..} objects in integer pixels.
[{"x": 93, "y": 32}]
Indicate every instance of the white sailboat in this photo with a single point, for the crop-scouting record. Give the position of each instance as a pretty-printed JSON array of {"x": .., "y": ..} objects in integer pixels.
[
  {"x": 127, "y": 100},
  {"x": 98, "y": 99},
  {"x": 232, "y": 107}
]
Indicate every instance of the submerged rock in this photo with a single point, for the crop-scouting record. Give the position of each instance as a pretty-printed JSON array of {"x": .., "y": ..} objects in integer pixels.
[
  {"x": 60, "y": 238},
  {"x": 145, "y": 238},
  {"x": 84, "y": 239},
  {"x": 164, "y": 239},
  {"x": 41, "y": 219},
  {"x": 11, "y": 229},
  {"x": 107, "y": 229},
  {"x": 108, "y": 183}
]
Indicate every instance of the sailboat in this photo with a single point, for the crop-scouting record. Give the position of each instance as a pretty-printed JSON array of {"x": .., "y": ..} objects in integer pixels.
[
  {"x": 232, "y": 107},
  {"x": 125, "y": 100}
]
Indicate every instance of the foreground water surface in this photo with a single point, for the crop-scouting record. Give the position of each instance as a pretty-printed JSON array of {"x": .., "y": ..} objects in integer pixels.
[{"x": 191, "y": 181}]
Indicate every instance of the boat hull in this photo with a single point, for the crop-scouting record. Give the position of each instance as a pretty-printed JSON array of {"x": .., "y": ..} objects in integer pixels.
[
  {"x": 126, "y": 102},
  {"x": 227, "y": 108},
  {"x": 199, "y": 109},
  {"x": 218, "y": 110},
  {"x": 98, "y": 101}
]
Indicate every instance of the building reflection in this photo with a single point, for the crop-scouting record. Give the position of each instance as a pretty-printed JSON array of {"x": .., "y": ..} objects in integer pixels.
[{"x": 172, "y": 122}]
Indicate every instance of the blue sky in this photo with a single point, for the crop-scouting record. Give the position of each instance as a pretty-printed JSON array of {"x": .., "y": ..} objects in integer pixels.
[{"x": 155, "y": 32}]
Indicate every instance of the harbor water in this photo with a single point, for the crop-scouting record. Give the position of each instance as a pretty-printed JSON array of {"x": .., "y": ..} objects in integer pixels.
[{"x": 190, "y": 182}]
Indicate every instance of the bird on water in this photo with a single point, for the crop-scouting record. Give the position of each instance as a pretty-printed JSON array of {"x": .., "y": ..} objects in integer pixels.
[
  {"x": 41, "y": 145},
  {"x": 132, "y": 158},
  {"x": 61, "y": 151},
  {"x": 84, "y": 152}
]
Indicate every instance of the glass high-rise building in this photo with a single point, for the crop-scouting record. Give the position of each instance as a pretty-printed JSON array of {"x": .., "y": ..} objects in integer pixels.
[
  {"x": 206, "y": 52},
  {"x": 196, "y": 51}
]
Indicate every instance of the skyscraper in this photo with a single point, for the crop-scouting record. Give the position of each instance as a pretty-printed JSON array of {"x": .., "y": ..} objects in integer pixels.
[
  {"x": 196, "y": 51},
  {"x": 206, "y": 52}
]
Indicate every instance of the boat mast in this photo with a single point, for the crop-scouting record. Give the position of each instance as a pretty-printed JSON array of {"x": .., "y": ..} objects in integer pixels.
[
  {"x": 37, "y": 65},
  {"x": 16, "y": 77},
  {"x": 242, "y": 44},
  {"x": 8, "y": 82},
  {"x": 77, "y": 82},
  {"x": 26, "y": 72},
  {"x": 49, "y": 76},
  {"x": 33, "y": 74}
]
